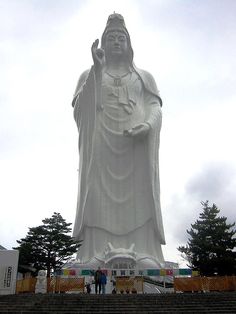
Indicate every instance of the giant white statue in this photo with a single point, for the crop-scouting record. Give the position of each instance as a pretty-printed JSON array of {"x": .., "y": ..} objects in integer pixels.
[{"x": 117, "y": 109}]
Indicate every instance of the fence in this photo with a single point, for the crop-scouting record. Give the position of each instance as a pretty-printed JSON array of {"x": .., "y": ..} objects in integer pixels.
[
  {"x": 129, "y": 283},
  {"x": 59, "y": 284},
  {"x": 26, "y": 285},
  {"x": 194, "y": 284},
  {"x": 56, "y": 285},
  {"x": 183, "y": 284}
]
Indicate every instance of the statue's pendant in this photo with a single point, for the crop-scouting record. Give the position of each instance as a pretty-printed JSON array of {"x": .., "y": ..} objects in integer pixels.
[{"x": 117, "y": 81}]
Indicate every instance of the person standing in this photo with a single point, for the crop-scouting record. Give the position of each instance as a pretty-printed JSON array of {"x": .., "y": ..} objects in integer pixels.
[
  {"x": 97, "y": 279},
  {"x": 103, "y": 282},
  {"x": 88, "y": 288}
]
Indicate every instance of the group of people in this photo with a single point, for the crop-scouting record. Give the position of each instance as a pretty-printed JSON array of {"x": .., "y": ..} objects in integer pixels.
[{"x": 100, "y": 281}]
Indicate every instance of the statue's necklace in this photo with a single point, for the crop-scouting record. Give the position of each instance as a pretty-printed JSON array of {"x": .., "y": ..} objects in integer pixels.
[{"x": 117, "y": 78}]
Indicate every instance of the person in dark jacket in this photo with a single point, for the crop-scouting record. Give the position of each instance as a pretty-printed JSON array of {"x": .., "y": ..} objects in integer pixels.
[
  {"x": 103, "y": 282},
  {"x": 97, "y": 279}
]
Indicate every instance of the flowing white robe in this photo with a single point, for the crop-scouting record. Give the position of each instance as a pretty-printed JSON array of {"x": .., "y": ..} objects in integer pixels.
[{"x": 119, "y": 193}]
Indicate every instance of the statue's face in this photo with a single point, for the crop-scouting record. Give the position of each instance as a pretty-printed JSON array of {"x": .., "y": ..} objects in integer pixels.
[{"x": 116, "y": 44}]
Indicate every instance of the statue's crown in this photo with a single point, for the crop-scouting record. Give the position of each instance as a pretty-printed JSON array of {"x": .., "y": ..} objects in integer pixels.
[{"x": 115, "y": 21}]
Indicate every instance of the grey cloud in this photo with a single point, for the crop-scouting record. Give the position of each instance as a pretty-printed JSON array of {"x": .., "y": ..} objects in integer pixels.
[
  {"x": 216, "y": 183},
  {"x": 178, "y": 216},
  {"x": 211, "y": 182}
]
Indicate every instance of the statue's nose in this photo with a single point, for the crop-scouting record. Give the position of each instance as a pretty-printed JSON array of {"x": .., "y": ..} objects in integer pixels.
[{"x": 117, "y": 41}]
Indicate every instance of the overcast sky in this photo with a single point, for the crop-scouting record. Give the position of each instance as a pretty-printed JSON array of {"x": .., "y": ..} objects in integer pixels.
[{"x": 189, "y": 46}]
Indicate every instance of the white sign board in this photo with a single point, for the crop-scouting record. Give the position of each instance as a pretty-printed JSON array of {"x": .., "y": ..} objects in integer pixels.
[{"x": 8, "y": 271}]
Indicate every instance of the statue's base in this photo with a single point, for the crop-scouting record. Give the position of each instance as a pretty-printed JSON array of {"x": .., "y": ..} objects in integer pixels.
[
  {"x": 123, "y": 266},
  {"x": 117, "y": 262}
]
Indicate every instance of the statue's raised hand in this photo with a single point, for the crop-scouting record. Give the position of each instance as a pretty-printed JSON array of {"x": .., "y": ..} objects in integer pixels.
[
  {"x": 98, "y": 55},
  {"x": 139, "y": 131}
]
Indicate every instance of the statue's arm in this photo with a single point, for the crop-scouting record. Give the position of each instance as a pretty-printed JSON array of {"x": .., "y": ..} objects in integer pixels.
[
  {"x": 152, "y": 102},
  {"x": 152, "y": 105},
  {"x": 152, "y": 120},
  {"x": 153, "y": 112}
]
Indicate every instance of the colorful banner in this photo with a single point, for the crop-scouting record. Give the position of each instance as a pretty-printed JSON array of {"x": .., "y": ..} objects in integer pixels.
[
  {"x": 195, "y": 273},
  {"x": 175, "y": 272},
  {"x": 66, "y": 272},
  {"x": 153, "y": 272},
  {"x": 131, "y": 272},
  {"x": 72, "y": 272},
  {"x": 87, "y": 272},
  {"x": 185, "y": 271},
  {"x": 162, "y": 272},
  {"x": 169, "y": 272}
]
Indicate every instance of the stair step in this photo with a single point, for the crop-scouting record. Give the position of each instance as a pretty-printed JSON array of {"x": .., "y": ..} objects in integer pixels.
[{"x": 211, "y": 303}]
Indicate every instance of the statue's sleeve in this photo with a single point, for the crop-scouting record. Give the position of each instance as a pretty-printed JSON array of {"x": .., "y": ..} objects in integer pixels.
[
  {"x": 80, "y": 86},
  {"x": 153, "y": 112},
  {"x": 152, "y": 102},
  {"x": 85, "y": 117},
  {"x": 83, "y": 99}
]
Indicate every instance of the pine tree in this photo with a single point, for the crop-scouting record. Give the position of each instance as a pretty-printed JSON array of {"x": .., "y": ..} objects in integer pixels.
[
  {"x": 47, "y": 246},
  {"x": 212, "y": 241}
]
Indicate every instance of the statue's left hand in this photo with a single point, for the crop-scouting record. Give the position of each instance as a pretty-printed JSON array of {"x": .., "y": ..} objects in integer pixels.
[{"x": 140, "y": 130}]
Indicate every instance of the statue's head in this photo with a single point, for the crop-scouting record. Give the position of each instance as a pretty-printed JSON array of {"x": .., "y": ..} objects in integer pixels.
[
  {"x": 116, "y": 28},
  {"x": 41, "y": 273}
]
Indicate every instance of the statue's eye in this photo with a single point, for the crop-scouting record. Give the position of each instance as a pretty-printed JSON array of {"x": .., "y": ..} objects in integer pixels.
[
  {"x": 110, "y": 38},
  {"x": 122, "y": 38}
]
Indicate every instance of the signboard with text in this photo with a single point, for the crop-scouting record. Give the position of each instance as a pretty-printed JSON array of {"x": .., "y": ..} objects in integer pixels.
[{"x": 8, "y": 271}]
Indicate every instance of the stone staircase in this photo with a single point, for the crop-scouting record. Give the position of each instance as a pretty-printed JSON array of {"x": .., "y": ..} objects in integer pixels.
[{"x": 211, "y": 303}]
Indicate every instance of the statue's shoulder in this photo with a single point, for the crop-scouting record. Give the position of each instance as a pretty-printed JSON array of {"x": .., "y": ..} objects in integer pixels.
[
  {"x": 147, "y": 77},
  {"x": 82, "y": 80},
  {"x": 83, "y": 77},
  {"x": 145, "y": 73},
  {"x": 148, "y": 81}
]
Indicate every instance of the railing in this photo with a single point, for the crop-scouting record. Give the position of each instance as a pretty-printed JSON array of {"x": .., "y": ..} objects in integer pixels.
[{"x": 205, "y": 284}]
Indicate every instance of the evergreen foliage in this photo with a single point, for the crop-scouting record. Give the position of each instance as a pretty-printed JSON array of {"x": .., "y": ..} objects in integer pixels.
[
  {"x": 210, "y": 248},
  {"x": 47, "y": 246}
]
